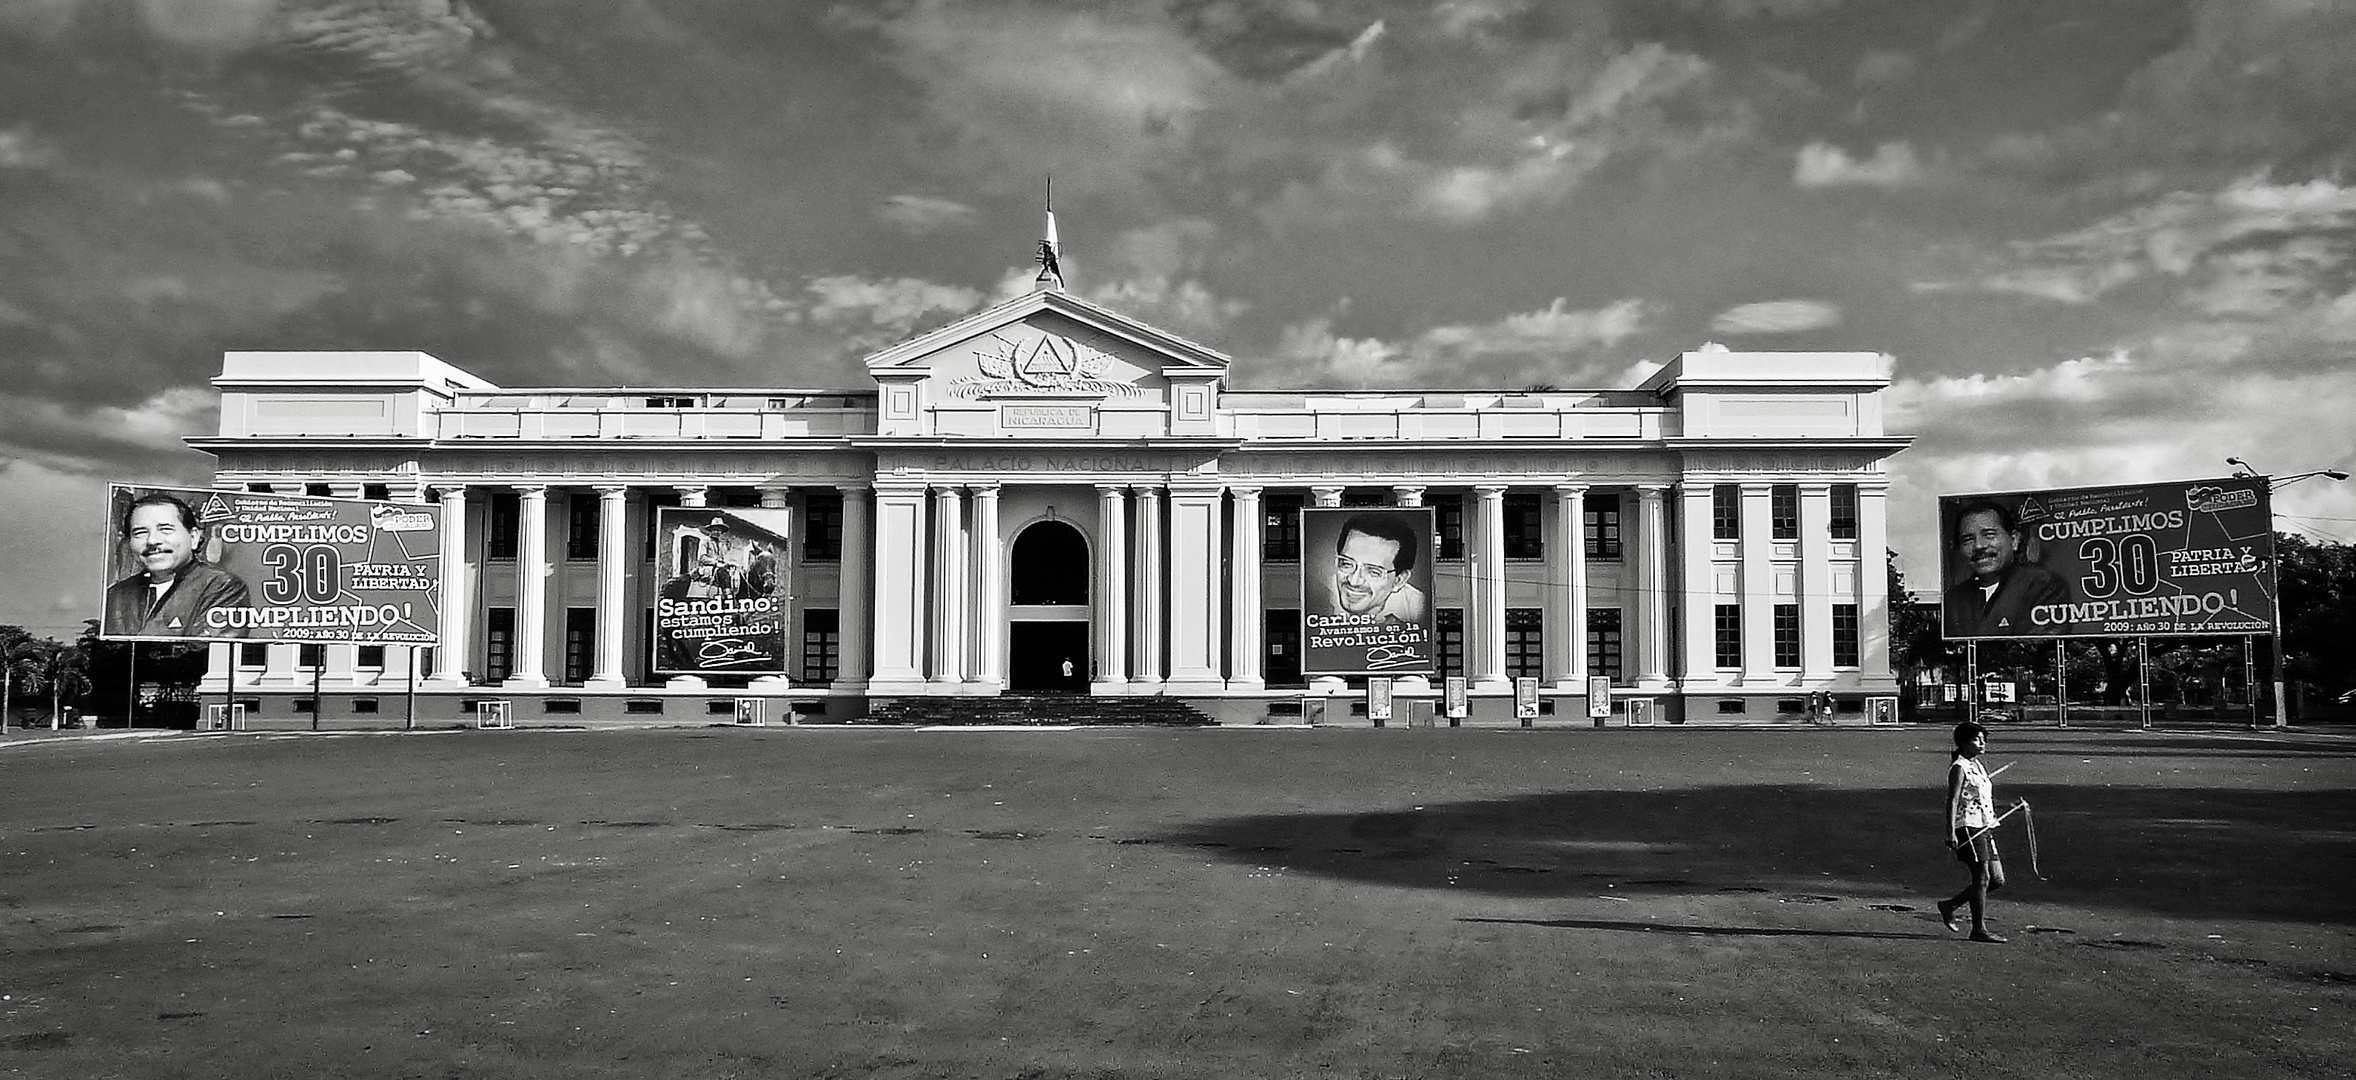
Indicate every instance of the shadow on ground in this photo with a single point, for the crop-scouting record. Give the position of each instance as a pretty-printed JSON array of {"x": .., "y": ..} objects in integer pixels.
[{"x": 2177, "y": 852}]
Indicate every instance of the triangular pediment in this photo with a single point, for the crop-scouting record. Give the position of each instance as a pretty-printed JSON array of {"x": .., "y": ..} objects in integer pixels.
[{"x": 1048, "y": 343}]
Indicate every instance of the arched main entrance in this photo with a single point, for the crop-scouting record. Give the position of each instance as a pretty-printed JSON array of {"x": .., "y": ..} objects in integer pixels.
[{"x": 1048, "y": 578}]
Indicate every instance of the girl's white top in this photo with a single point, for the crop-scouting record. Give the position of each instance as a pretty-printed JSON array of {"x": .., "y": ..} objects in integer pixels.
[{"x": 1975, "y": 799}]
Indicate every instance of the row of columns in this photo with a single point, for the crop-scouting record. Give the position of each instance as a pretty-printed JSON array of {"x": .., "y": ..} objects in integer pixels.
[
  {"x": 963, "y": 586},
  {"x": 528, "y": 669}
]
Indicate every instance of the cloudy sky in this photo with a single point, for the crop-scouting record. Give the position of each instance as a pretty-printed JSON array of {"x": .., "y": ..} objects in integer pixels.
[{"x": 2105, "y": 240}]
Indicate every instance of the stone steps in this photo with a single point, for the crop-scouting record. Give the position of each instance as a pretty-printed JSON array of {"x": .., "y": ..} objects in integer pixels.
[{"x": 1043, "y": 709}]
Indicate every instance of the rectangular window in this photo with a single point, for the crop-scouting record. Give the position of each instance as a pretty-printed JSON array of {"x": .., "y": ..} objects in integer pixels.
[
  {"x": 1787, "y": 635},
  {"x": 1525, "y": 642},
  {"x": 1729, "y": 627},
  {"x": 377, "y": 492},
  {"x": 582, "y": 510},
  {"x": 253, "y": 654},
  {"x": 670, "y": 402},
  {"x": 1603, "y": 644},
  {"x": 1725, "y": 512},
  {"x": 1283, "y": 634},
  {"x": 311, "y": 657},
  {"x": 1603, "y": 527},
  {"x": 1280, "y": 531},
  {"x": 369, "y": 656},
  {"x": 1844, "y": 635},
  {"x": 1525, "y": 527},
  {"x": 506, "y": 512},
  {"x": 822, "y": 525},
  {"x": 1451, "y": 626},
  {"x": 1844, "y": 511},
  {"x": 580, "y": 643},
  {"x": 498, "y": 643},
  {"x": 320, "y": 491},
  {"x": 1783, "y": 511},
  {"x": 822, "y": 645},
  {"x": 649, "y": 543},
  {"x": 1362, "y": 498},
  {"x": 1450, "y": 518},
  {"x": 363, "y": 705}
]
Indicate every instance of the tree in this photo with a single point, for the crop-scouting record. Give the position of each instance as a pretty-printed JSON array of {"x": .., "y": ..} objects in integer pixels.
[
  {"x": 23, "y": 659},
  {"x": 2318, "y": 584},
  {"x": 1916, "y": 642}
]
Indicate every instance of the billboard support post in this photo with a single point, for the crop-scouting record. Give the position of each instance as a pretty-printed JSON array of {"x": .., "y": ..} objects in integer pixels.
[
  {"x": 409, "y": 721},
  {"x": 2061, "y": 682},
  {"x": 2143, "y": 678},
  {"x": 2249, "y": 675},
  {"x": 1971, "y": 680},
  {"x": 317, "y": 670},
  {"x": 131, "y": 695}
]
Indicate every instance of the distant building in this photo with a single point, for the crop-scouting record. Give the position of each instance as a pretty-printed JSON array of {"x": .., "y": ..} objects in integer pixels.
[{"x": 1050, "y": 480}]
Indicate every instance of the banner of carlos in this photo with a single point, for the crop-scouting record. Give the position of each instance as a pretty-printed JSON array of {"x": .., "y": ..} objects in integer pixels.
[{"x": 188, "y": 564}]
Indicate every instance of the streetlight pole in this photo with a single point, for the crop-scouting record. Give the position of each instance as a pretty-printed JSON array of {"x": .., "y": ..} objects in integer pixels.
[{"x": 2282, "y": 710}]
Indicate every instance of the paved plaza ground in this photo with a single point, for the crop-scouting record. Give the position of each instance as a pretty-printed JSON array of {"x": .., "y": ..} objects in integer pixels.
[{"x": 854, "y": 902}]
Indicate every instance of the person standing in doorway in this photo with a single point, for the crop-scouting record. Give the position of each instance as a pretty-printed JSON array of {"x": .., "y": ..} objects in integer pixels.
[{"x": 1971, "y": 825}]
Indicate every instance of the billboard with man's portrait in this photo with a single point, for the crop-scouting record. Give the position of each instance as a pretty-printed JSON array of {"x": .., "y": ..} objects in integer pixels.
[
  {"x": 187, "y": 564},
  {"x": 1366, "y": 588},
  {"x": 722, "y": 605},
  {"x": 2170, "y": 558}
]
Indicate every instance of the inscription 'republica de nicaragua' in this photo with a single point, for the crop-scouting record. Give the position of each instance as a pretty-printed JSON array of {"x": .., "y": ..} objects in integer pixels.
[{"x": 1046, "y": 416}]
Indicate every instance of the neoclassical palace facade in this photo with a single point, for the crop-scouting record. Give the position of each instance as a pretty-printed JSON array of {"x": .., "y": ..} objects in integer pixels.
[{"x": 1051, "y": 482}]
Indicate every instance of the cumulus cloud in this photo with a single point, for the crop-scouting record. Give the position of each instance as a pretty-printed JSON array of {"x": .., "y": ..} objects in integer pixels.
[
  {"x": 21, "y": 148},
  {"x": 1556, "y": 345},
  {"x": 1823, "y": 165},
  {"x": 920, "y": 214},
  {"x": 2252, "y": 248},
  {"x": 1777, "y": 317}
]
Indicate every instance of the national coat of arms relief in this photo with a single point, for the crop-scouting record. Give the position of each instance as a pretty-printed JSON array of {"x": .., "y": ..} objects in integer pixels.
[{"x": 1044, "y": 364}]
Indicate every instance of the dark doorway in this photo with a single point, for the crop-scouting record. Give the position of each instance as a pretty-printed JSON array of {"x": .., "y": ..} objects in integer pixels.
[
  {"x": 1049, "y": 566},
  {"x": 1037, "y": 652}
]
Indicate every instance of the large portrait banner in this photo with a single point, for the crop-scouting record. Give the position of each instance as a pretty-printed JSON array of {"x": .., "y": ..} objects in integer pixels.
[
  {"x": 187, "y": 564},
  {"x": 1366, "y": 586},
  {"x": 2173, "y": 558},
  {"x": 722, "y": 605}
]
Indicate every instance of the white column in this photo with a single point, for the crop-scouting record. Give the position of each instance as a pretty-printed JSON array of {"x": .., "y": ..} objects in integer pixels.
[
  {"x": 779, "y": 498},
  {"x": 1488, "y": 645},
  {"x": 692, "y": 494},
  {"x": 1814, "y": 583},
  {"x": 855, "y": 593},
  {"x": 453, "y": 653},
  {"x": 1700, "y": 587},
  {"x": 531, "y": 589},
  {"x": 1758, "y": 586},
  {"x": 1407, "y": 495},
  {"x": 1194, "y": 591},
  {"x": 949, "y": 552},
  {"x": 1566, "y": 636},
  {"x": 1148, "y": 613},
  {"x": 1112, "y": 586},
  {"x": 1655, "y": 594},
  {"x": 1325, "y": 495},
  {"x": 613, "y": 556},
  {"x": 899, "y": 590},
  {"x": 1873, "y": 588},
  {"x": 1245, "y": 617},
  {"x": 987, "y": 569}
]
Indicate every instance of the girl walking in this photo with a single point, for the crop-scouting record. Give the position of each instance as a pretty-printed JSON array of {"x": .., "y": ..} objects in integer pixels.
[{"x": 1971, "y": 823}]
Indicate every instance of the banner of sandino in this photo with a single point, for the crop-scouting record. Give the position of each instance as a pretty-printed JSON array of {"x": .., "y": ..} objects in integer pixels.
[
  {"x": 2178, "y": 557},
  {"x": 722, "y": 604},
  {"x": 189, "y": 564}
]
